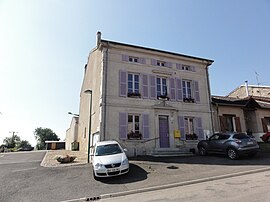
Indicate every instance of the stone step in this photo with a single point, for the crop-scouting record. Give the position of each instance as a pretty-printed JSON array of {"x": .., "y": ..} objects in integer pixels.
[{"x": 167, "y": 153}]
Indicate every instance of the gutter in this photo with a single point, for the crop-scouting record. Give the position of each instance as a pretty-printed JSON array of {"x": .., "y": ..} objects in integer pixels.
[
  {"x": 105, "y": 93},
  {"x": 209, "y": 96}
]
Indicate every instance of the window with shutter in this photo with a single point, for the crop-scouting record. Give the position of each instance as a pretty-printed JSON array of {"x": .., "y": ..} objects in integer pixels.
[
  {"x": 122, "y": 83},
  {"x": 145, "y": 90},
  {"x": 172, "y": 89},
  {"x": 153, "y": 92},
  {"x": 196, "y": 91},
  {"x": 179, "y": 95},
  {"x": 199, "y": 128},
  {"x": 123, "y": 123},
  {"x": 181, "y": 127},
  {"x": 222, "y": 121},
  {"x": 238, "y": 124},
  {"x": 145, "y": 120},
  {"x": 125, "y": 58}
]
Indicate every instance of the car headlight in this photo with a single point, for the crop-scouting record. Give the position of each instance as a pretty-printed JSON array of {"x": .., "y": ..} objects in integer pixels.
[
  {"x": 125, "y": 162},
  {"x": 98, "y": 166}
]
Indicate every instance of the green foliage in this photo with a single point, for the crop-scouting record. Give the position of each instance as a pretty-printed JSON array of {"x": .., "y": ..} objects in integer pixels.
[
  {"x": 12, "y": 142},
  {"x": 23, "y": 143},
  {"x": 43, "y": 134}
]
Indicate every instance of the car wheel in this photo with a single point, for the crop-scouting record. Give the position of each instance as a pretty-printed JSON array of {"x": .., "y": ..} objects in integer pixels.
[
  {"x": 232, "y": 153},
  {"x": 202, "y": 151}
]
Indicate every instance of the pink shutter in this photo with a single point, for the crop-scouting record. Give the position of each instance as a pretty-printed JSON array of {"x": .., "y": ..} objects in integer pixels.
[
  {"x": 179, "y": 95},
  {"x": 123, "y": 125},
  {"x": 199, "y": 129},
  {"x": 169, "y": 64},
  {"x": 142, "y": 60},
  {"x": 122, "y": 83},
  {"x": 145, "y": 90},
  {"x": 125, "y": 58},
  {"x": 153, "y": 92},
  {"x": 153, "y": 62},
  {"x": 172, "y": 89},
  {"x": 181, "y": 127},
  {"x": 145, "y": 123},
  {"x": 179, "y": 66},
  {"x": 196, "y": 90}
]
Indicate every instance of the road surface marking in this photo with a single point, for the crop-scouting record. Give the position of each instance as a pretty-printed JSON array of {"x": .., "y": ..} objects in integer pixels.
[{"x": 26, "y": 169}]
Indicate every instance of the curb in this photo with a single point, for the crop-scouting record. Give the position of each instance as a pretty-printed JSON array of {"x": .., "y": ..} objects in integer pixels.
[
  {"x": 155, "y": 188},
  {"x": 43, "y": 164}
]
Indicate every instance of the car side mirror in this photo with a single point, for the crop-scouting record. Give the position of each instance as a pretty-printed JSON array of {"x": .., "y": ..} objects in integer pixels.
[{"x": 125, "y": 150}]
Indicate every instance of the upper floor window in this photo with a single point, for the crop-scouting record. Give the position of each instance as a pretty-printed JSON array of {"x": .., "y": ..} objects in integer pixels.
[
  {"x": 161, "y": 63},
  {"x": 187, "y": 91},
  {"x": 161, "y": 87},
  {"x": 133, "y": 84},
  {"x": 133, "y": 59},
  {"x": 186, "y": 67}
]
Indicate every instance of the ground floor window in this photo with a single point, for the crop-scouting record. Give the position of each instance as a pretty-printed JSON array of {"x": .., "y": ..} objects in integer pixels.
[
  {"x": 189, "y": 128},
  {"x": 134, "y": 126}
]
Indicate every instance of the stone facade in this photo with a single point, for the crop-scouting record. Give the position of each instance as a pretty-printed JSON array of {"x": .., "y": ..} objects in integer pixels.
[{"x": 144, "y": 98}]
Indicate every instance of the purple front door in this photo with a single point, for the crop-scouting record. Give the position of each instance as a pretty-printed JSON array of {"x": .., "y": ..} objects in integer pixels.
[{"x": 164, "y": 140}]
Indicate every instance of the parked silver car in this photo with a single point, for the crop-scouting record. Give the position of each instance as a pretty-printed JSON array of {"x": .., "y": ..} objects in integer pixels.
[
  {"x": 233, "y": 144},
  {"x": 109, "y": 159}
]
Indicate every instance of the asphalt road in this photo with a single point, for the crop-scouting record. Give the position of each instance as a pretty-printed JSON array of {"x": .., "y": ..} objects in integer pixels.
[
  {"x": 22, "y": 178},
  {"x": 248, "y": 188}
]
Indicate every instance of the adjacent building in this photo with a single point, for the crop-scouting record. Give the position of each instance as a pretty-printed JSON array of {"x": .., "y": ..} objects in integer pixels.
[
  {"x": 245, "y": 109},
  {"x": 147, "y": 99}
]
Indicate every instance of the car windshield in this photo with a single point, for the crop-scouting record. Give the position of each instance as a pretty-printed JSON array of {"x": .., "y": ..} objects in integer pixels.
[
  {"x": 108, "y": 149},
  {"x": 240, "y": 136}
]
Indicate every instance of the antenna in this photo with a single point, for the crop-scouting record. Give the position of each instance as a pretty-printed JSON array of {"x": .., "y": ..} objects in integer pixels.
[{"x": 257, "y": 78}]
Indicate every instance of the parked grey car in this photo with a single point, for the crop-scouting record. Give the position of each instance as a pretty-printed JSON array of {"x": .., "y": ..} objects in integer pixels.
[{"x": 232, "y": 144}]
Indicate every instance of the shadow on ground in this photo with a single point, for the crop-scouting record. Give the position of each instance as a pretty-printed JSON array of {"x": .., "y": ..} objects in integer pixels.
[
  {"x": 262, "y": 158},
  {"x": 135, "y": 174}
]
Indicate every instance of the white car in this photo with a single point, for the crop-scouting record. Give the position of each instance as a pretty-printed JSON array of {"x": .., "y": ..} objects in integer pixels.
[{"x": 109, "y": 159}]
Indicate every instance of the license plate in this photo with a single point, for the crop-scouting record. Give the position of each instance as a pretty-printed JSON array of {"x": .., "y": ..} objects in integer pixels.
[
  {"x": 113, "y": 169},
  {"x": 249, "y": 143}
]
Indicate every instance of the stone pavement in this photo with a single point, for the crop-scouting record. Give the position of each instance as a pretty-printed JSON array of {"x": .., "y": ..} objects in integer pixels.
[{"x": 50, "y": 161}]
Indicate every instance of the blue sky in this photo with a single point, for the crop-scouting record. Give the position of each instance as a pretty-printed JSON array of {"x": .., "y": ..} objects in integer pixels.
[{"x": 44, "y": 45}]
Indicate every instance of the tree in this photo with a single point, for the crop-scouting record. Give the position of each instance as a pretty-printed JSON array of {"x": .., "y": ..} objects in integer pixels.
[
  {"x": 12, "y": 141},
  {"x": 43, "y": 134},
  {"x": 23, "y": 143}
]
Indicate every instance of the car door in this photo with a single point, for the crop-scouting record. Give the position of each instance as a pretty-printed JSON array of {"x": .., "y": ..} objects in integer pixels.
[
  {"x": 217, "y": 142},
  {"x": 213, "y": 141}
]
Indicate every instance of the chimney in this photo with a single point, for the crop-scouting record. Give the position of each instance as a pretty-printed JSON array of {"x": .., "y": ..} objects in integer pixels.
[
  {"x": 98, "y": 38},
  {"x": 246, "y": 83}
]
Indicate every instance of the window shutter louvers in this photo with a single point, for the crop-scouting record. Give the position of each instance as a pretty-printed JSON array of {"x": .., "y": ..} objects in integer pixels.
[
  {"x": 153, "y": 92},
  {"x": 193, "y": 68},
  {"x": 123, "y": 125},
  {"x": 142, "y": 60},
  {"x": 145, "y": 90},
  {"x": 264, "y": 125},
  {"x": 153, "y": 62},
  {"x": 178, "y": 66},
  {"x": 169, "y": 64},
  {"x": 222, "y": 121},
  {"x": 122, "y": 83},
  {"x": 145, "y": 123},
  {"x": 238, "y": 124},
  {"x": 197, "y": 93},
  {"x": 179, "y": 95},
  {"x": 181, "y": 127},
  {"x": 172, "y": 89},
  {"x": 125, "y": 58},
  {"x": 199, "y": 129}
]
